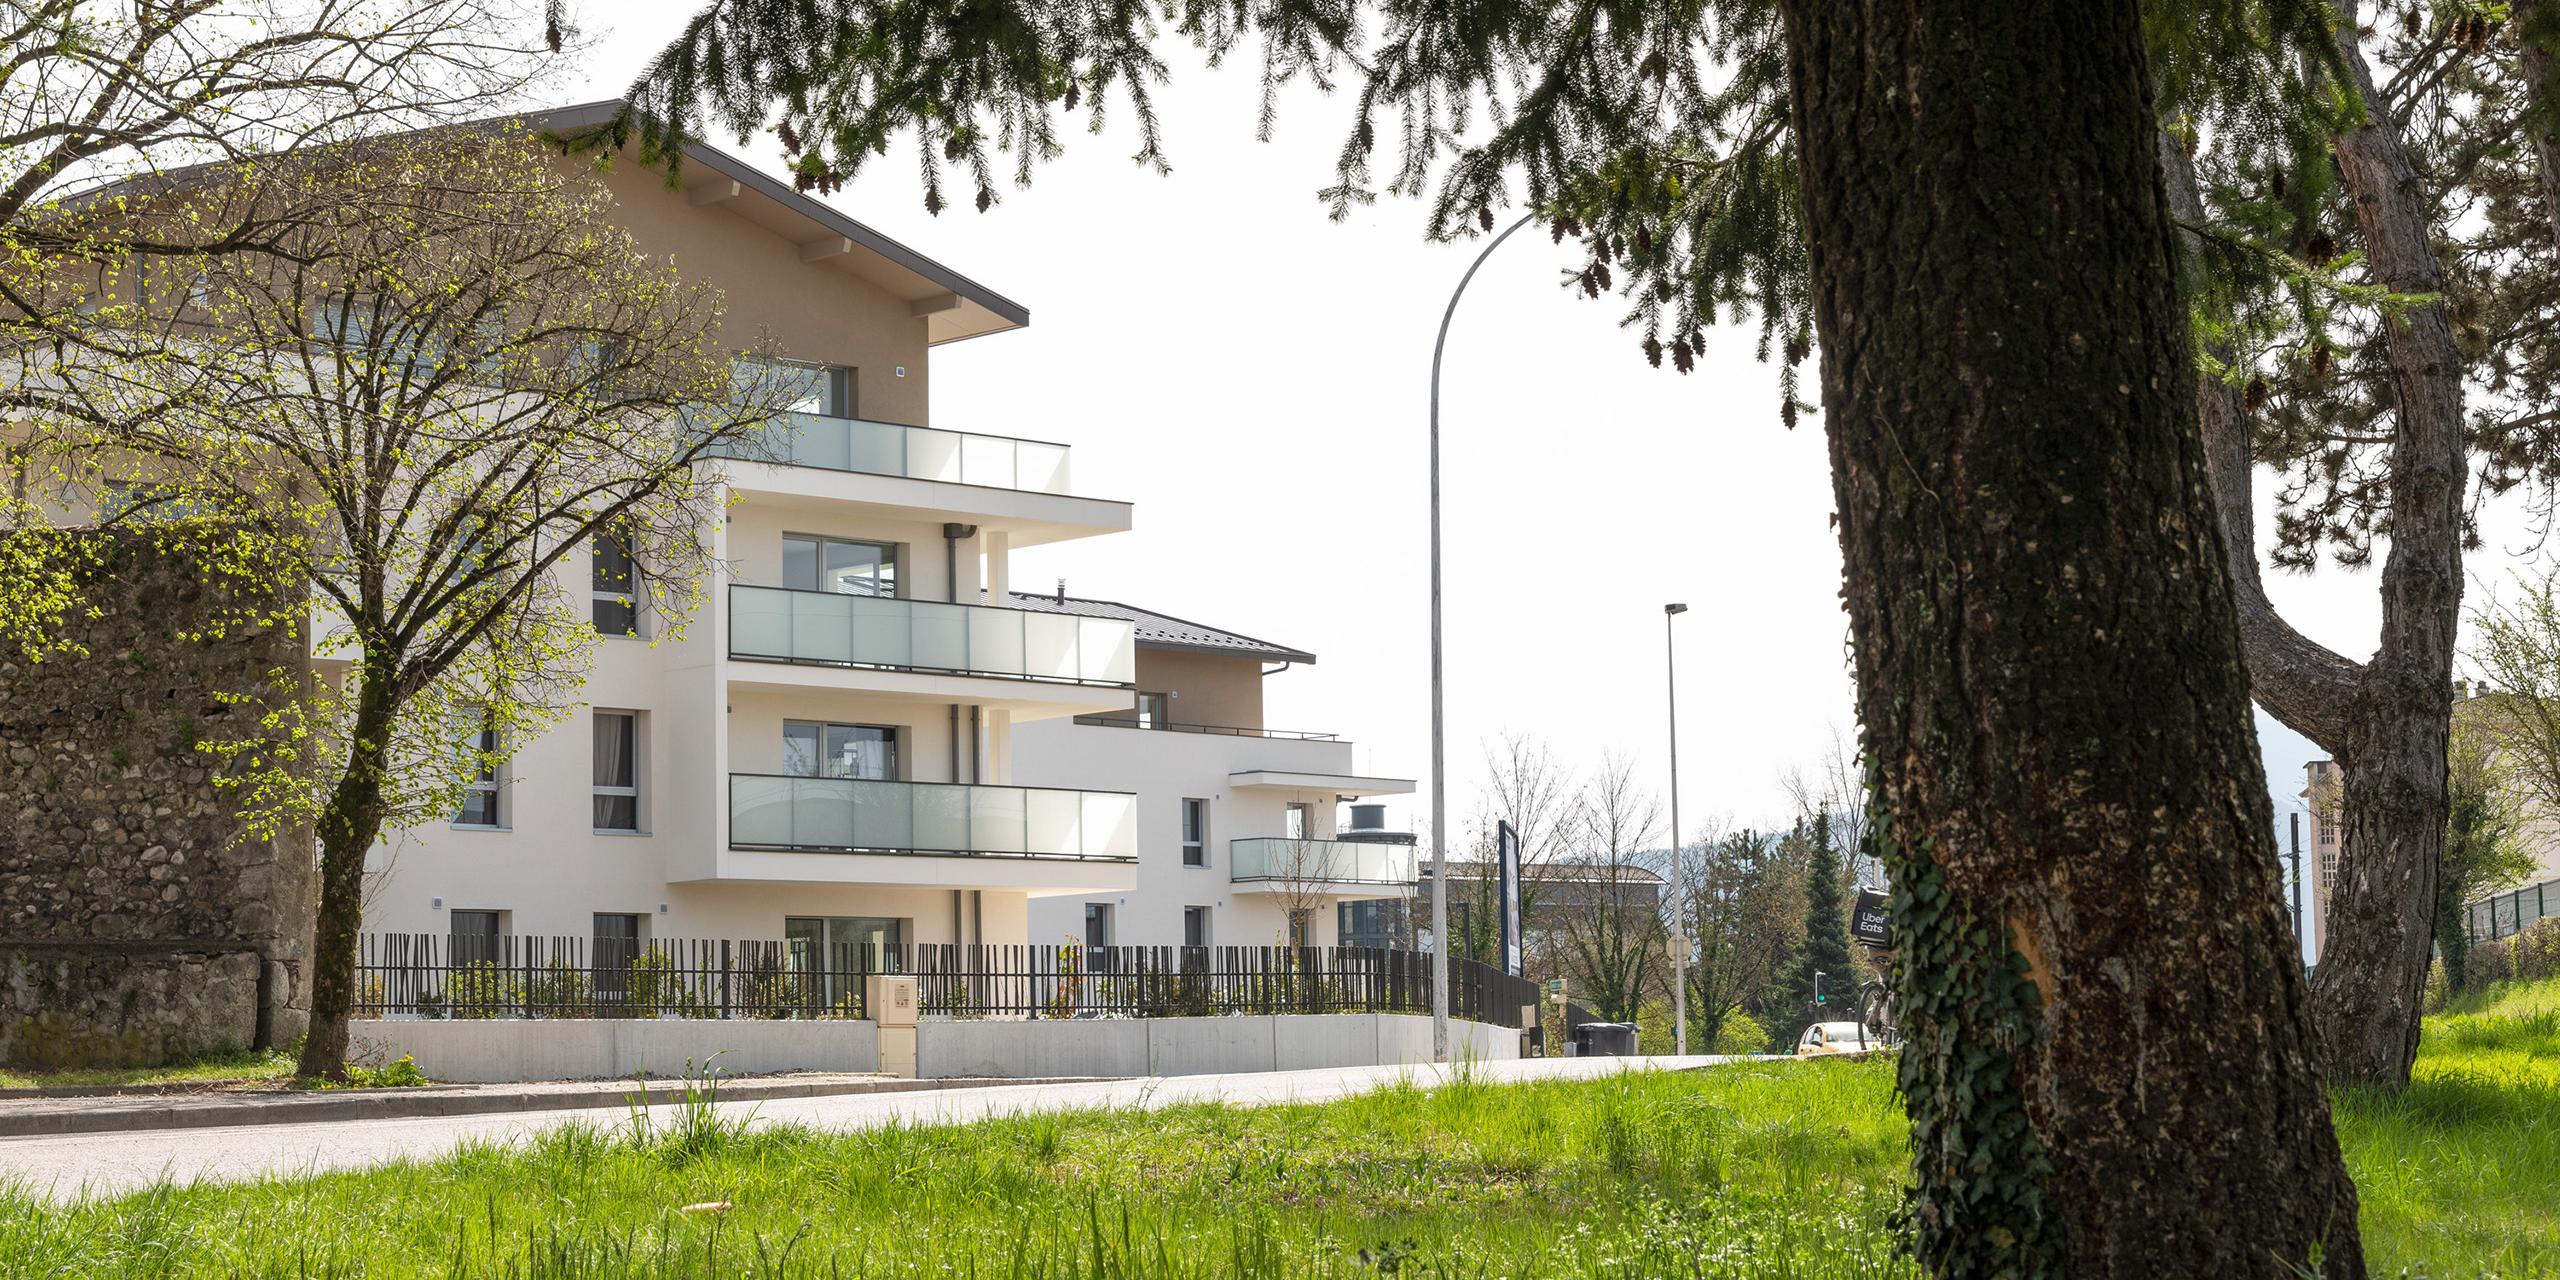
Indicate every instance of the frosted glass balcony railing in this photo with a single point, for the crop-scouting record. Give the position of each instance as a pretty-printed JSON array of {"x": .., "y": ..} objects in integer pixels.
[
  {"x": 845, "y": 815},
  {"x": 773, "y": 624},
  {"x": 918, "y": 453},
  {"x": 1319, "y": 861}
]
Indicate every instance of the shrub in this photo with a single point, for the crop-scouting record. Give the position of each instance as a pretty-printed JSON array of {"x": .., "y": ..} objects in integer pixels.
[
  {"x": 2532, "y": 953},
  {"x": 399, "y": 1073},
  {"x": 559, "y": 991},
  {"x": 480, "y": 989},
  {"x": 1741, "y": 1033}
]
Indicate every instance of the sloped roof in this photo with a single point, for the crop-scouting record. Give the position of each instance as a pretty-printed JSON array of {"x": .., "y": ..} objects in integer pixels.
[
  {"x": 988, "y": 311},
  {"x": 1163, "y": 630}
]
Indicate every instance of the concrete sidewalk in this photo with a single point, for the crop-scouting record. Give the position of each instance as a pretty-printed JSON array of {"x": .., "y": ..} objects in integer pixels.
[
  {"x": 79, "y": 1166},
  {"x": 210, "y": 1107}
]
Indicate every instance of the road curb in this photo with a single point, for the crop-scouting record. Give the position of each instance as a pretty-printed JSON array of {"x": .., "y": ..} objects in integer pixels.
[{"x": 387, "y": 1104}]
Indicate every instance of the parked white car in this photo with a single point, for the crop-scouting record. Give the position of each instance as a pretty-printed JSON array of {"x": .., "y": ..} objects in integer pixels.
[{"x": 1836, "y": 1037}]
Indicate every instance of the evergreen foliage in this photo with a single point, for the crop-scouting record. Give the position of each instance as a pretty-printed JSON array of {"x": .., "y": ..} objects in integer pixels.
[{"x": 1825, "y": 948}]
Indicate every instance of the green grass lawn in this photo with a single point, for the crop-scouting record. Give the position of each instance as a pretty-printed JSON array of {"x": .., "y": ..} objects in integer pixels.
[
  {"x": 1781, "y": 1169},
  {"x": 264, "y": 1066}
]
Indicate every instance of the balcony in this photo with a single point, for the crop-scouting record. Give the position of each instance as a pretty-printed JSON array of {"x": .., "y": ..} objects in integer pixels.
[
  {"x": 930, "y": 819},
  {"x": 1312, "y": 863},
  {"x": 823, "y": 628},
  {"x": 915, "y": 453}
]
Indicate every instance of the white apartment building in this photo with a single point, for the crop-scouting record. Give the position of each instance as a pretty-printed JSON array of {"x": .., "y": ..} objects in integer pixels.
[
  {"x": 828, "y": 753},
  {"x": 1237, "y": 823}
]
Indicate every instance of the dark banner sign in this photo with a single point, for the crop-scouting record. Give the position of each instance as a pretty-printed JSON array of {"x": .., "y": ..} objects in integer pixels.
[
  {"x": 1871, "y": 925},
  {"x": 1507, "y": 850}
]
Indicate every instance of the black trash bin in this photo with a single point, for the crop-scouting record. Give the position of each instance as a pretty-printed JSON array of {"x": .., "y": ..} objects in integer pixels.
[{"x": 1604, "y": 1040}]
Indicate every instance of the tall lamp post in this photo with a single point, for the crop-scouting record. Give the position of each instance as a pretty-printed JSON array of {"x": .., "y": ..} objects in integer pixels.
[
  {"x": 1679, "y": 870},
  {"x": 1439, "y": 756}
]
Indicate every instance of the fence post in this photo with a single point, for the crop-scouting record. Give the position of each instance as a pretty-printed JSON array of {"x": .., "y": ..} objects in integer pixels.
[{"x": 725, "y": 996}]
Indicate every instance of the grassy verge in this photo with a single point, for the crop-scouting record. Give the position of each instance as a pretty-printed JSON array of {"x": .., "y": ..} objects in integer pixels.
[
  {"x": 2459, "y": 1174},
  {"x": 265, "y": 1066},
  {"x": 1751, "y": 1171},
  {"x": 1779, "y": 1169}
]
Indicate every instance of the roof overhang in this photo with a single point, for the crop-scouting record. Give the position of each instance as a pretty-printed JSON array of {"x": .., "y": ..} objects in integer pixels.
[
  {"x": 1342, "y": 784},
  {"x": 952, "y": 305}
]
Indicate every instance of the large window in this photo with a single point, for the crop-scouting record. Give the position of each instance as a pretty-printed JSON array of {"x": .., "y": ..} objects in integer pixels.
[
  {"x": 1195, "y": 833},
  {"x": 1195, "y": 926},
  {"x": 481, "y": 796},
  {"x": 1097, "y": 924},
  {"x": 814, "y": 750},
  {"x": 840, "y": 565},
  {"x": 1299, "y": 819},
  {"x": 614, "y": 584},
  {"x": 1155, "y": 710},
  {"x": 842, "y": 948},
  {"x": 474, "y": 937},
  {"x": 617, "y": 771},
  {"x": 825, "y": 389},
  {"x": 617, "y": 939}
]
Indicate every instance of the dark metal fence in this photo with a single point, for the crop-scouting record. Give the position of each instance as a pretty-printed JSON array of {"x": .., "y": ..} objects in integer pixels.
[
  {"x": 2503, "y": 915},
  {"x": 436, "y": 976}
]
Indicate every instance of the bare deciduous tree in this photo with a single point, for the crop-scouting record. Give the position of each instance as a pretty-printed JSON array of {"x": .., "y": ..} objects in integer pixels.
[
  {"x": 99, "y": 103},
  {"x": 1611, "y": 938}
]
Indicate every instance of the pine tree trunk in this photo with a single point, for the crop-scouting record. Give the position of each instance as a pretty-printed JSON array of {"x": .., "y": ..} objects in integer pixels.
[
  {"x": 348, "y": 828},
  {"x": 2372, "y": 974},
  {"x": 2108, "y": 1067}
]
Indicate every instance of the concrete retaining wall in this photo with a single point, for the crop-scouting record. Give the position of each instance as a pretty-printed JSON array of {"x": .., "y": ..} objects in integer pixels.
[
  {"x": 504, "y": 1050},
  {"x": 1194, "y": 1046},
  {"x": 473, "y": 1051}
]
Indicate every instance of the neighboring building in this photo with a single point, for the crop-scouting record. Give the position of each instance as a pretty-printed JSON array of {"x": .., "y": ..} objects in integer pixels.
[
  {"x": 2323, "y": 837},
  {"x": 1237, "y": 836},
  {"x": 826, "y": 754},
  {"x": 1555, "y": 889}
]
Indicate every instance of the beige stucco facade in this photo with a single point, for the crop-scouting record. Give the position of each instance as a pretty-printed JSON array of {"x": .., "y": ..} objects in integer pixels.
[{"x": 710, "y": 707}]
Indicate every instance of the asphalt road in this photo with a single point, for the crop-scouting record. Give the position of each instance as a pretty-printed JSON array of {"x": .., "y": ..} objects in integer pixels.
[{"x": 78, "y": 1166}]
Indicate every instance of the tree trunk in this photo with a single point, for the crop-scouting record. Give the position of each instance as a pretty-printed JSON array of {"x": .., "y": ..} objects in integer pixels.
[
  {"x": 2385, "y": 722},
  {"x": 348, "y": 828},
  {"x": 2391, "y": 753},
  {"x": 2108, "y": 1067}
]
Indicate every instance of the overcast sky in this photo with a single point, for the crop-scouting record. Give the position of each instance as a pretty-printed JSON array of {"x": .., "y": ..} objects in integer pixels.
[{"x": 1255, "y": 377}]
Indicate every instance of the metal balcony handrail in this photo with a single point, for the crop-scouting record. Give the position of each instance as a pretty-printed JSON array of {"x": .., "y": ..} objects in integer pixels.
[{"x": 1215, "y": 730}]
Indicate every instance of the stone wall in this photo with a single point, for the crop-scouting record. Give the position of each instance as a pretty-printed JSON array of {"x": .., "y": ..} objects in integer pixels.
[{"x": 139, "y": 921}]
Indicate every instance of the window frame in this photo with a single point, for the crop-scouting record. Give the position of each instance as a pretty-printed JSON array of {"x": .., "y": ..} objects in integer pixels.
[
  {"x": 490, "y": 784},
  {"x": 1197, "y": 916},
  {"x": 897, "y": 761},
  {"x": 1195, "y": 845},
  {"x": 632, "y": 745},
  {"x": 601, "y": 596},
  {"x": 889, "y": 557}
]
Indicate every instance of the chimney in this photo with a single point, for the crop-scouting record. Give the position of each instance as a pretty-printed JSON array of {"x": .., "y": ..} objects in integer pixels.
[{"x": 1062, "y": 591}]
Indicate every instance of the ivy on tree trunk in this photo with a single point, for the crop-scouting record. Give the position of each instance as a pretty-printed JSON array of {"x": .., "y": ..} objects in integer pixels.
[{"x": 2109, "y": 1068}]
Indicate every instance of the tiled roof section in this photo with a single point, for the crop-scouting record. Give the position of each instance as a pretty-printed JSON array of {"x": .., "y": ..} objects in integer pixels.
[{"x": 1163, "y": 630}]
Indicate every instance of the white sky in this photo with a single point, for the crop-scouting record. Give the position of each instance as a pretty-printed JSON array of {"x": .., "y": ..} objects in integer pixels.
[{"x": 1255, "y": 378}]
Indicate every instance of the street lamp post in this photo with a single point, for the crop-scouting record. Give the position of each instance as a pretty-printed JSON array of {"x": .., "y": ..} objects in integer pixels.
[
  {"x": 1679, "y": 870},
  {"x": 1439, "y": 756}
]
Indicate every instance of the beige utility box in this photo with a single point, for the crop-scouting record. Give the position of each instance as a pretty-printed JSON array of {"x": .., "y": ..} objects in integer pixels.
[{"x": 891, "y": 999}]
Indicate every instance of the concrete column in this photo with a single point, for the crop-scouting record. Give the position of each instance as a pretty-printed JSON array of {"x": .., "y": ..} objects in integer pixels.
[
  {"x": 999, "y": 754},
  {"x": 999, "y": 551}
]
